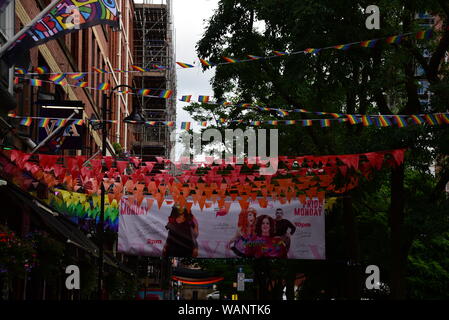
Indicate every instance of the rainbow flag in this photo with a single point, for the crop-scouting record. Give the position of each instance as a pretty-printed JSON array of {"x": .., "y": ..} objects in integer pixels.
[
  {"x": 325, "y": 123},
  {"x": 352, "y": 119},
  {"x": 430, "y": 119},
  {"x": 41, "y": 70},
  {"x": 369, "y": 43},
  {"x": 253, "y": 57},
  {"x": 43, "y": 123},
  {"x": 77, "y": 76},
  {"x": 151, "y": 123},
  {"x": 366, "y": 121},
  {"x": 165, "y": 94},
  {"x": 301, "y": 110},
  {"x": 342, "y": 46},
  {"x": 424, "y": 34},
  {"x": 394, "y": 39},
  {"x": 81, "y": 84},
  {"x": 61, "y": 122},
  {"x": 78, "y": 122},
  {"x": 255, "y": 123},
  {"x": 245, "y": 105},
  {"x": 280, "y": 53},
  {"x": 159, "y": 67},
  {"x": 185, "y": 65},
  {"x": 312, "y": 50},
  {"x": 226, "y": 103},
  {"x": 137, "y": 68},
  {"x": 222, "y": 120},
  {"x": 282, "y": 112},
  {"x": 205, "y": 63},
  {"x": 26, "y": 121},
  {"x": 272, "y": 122},
  {"x": 20, "y": 70},
  {"x": 204, "y": 123},
  {"x": 444, "y": 117},
  {"x": 336, "y": 115},
  {"x": 400, "y": 121},
  {"x": 203, "y": 99},
  {"x": 35, "y": 82},
  {"x": 169, "y": 123},
  {"x": 104, "y": 86},
  {"x": 417, "y": 119},
  {"x": 186, "y": 98},
  {"x": 230, "y": 60},
  {"x": 384, "y": 121},
  {"x": 144, "y": 92},
  {"x": 99, "y": 70},
  {"x": 185, "y": 125},
  {"x": 16, "y": 80},
  {"x": 57, "y": 78},
  {"x": 306, "y": 123}
]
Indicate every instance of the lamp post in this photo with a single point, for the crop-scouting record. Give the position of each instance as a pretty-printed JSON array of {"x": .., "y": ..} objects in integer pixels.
[{"x": 135, "y": 117}]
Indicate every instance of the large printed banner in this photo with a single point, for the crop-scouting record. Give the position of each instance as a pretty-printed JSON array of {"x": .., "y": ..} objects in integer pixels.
[{"x": 292, "y": 230}]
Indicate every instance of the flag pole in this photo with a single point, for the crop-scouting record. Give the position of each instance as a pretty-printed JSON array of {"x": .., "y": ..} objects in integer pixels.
[{"x": 25, "y": 28}]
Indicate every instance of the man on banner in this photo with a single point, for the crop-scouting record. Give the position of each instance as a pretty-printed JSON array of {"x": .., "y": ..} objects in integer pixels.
[
  {"x": 57, "y": 20},
  {"x": 283, "y": 226}
]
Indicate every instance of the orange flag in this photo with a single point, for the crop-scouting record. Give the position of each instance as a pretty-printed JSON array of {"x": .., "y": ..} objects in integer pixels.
[{"x": 150, "y": 202}]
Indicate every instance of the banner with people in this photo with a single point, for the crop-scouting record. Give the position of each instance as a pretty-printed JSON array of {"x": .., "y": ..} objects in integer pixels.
[{"x": 291, "y": 230}]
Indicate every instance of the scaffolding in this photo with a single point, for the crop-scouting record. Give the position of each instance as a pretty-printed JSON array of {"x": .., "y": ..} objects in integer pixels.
[{"x": 154, "y": 50}]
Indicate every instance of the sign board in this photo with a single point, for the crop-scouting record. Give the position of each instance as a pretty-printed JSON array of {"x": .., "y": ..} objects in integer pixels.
[{"x": 240, "y": 281}]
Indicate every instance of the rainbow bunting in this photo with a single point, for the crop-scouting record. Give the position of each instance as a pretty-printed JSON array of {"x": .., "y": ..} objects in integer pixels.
[
  {"x": 205, "y": 63},
  {"x": 325, "y": 123},
  {"x": 424, "y": 34},
  {"x": 81, "y": 84},
  {"x": 352, "y": 119},
  {"x": 78, "y": 122},
  {"x": 186, "y": 98},
  {"x": 203, "y": 99},
  {"x": 246, "y": 105},
  {"x": 104, "y": 86},
  {"x": 222, "y": 120},
  {"x": 204, "y": 123},
  {"x": 99, "y": 70},
  {"x": 400, "y": 121},
  {"x": 253, "y": 57},
  {"x": 384, "y": 121},
  {"x": 185, "y": 125},
  {"x": 151, "y": 123},
  {"x": 366, "y": 121},
  {"x": 282, "y": 112},
  {"x": 41, "y": 70},
  {"x": 273, "y": 122},
  {"x": 368, "y": 43},
  {"x": 20, "y": 70},
  {"x": 336, "y": 115},
  {"x": 185, "y": 65},
  {"x": 137, "y": 68},
  {"x": 444, "y": 117},
  {"x": 255, "y": 123},
  {"x": 26, "y": 121},
  {"x": 165, "y": 94},
  {"x": 77, "y": 76},
  {"x": 280, "y": 53},
  {"x": 169, "y": 123},
  {"x": 417, "y": 119},
  {"x": 159, "y": 67},
  {"x": 44, "y": 122},
  {"x": 124, "y": 90},
  {"x": 430, "y": 119},
  {"x": 312, "y": 50},
  {"x": 230, "y": 60},
  {"x": 301, "y": 110},
  {"x": 306, "y": 123},
  {"x": 394, "y": 39},
  {"x": 35, "y": 82},
  {"x": 61, "y": 122},
  {"x": 57, "y": 78},
  {"x": 144, "y": 92},
  {"x": 342, "y": 46},
  {"x": 290, "y": 121}
]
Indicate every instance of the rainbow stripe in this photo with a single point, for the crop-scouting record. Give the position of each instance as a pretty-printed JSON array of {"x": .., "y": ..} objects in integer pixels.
[
  {"x": 400, "y": 121},
  {"x": 384, "y": 121},
  {"x": 41, "y": 70},
  {"x": 104, "y": 86},
  {"x": 137, "y": 68},
  {"x": 144, "y": 92},
  {"x": 255, "y": 123},
  {"x": 165, "y": 94},
  {"x": 301, "y": 110},
  {"x": 280, "y": 53},
  {"x": 185, "y": 125},
  {"x": 57, "y": 78},
  {"x": 77, "y": 76},
  {"x": 159, "y": 67},
  {"x": 352, "y": 119},
  {"x": 44, "y": 122},
  {"x": 417, "y": 119},
  {"x": 222, "y": 120},
  {"x": 203, "y": 99},
  {"x": 342, "y": 46},
  {"x": 424, "y": 34},
  {"x": 205, "y": 63},
  {"x": 306, "y": 123},
  {"x": 253, "y": 57},
  {"x": 230, "y": 60},
  {"x": 169, "y": 123},
  {"x": 81, "y": 84},
  {"x": 186, "y": 98},
  {"x": 99, "y": 70},
  {"x": 325, "y": 123},
  {"x": 204, "y": 123},
  {"x": 312, "y": 50},
  {"x": 26, "y": 121},
  {"x": 20, "y": 70},
  {"x": 366, "y": 121},
  {"x": 184, "y": 65},
  {"x": 444, "y": 117},
  {"x": 394, "y": 39},
  {"x": 369, "y": 43},
  {"x": 282, "y": 112},
  {"x": 151, "y": 123},
  {"x": 336, "y": 115},
  {"x": 35, "y": 82},
  {"x": 61, "y": 122},
  {"x": 273, "y": 122},
  {"x": 430, "y": 119},
  {"x": 78, "y": 122}
]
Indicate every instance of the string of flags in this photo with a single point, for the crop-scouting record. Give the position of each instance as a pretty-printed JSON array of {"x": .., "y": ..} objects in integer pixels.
[{"x": 396, "y": 39}]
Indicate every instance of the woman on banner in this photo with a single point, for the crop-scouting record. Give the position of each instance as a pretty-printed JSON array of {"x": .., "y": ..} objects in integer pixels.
[
  {"x": 246, "y": 227},
  {"x": 266, "y": 243},
  {"x": 182, "y": 233}
]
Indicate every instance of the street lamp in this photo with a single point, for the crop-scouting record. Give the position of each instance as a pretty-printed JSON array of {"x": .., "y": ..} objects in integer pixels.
[{"x": 135, "y": 117}]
